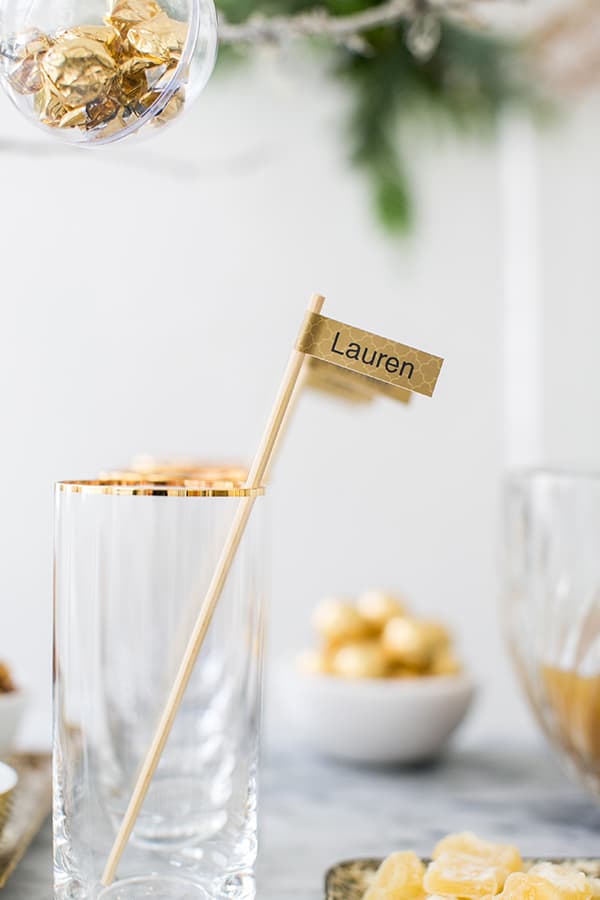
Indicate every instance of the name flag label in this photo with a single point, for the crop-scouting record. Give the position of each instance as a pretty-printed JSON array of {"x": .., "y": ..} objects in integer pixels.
[{"x": 369, "y": 354}]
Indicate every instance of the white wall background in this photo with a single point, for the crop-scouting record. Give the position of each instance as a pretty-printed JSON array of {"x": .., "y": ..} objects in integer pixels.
[{"x": 128, "y": 276}]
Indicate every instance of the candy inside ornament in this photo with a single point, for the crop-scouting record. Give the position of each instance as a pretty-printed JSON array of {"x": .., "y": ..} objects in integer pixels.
[{"x": 93, "y": 72}]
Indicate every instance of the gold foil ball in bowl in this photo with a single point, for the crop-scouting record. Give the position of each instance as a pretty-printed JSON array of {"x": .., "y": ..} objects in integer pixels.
[
  {"x": 92, "y": 72},
  {"x": 383, "y": 685}
]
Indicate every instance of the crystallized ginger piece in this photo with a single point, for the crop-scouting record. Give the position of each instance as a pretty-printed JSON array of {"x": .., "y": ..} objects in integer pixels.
[
  {"x": 569, "y": 884},
  {"x": 595, "y": 886},
  {"x": 460, "y": 875},
  {"x": 466, "y": 842},
  {"x": 399, "y": 877},
  {"x": 525, "y": 886}
]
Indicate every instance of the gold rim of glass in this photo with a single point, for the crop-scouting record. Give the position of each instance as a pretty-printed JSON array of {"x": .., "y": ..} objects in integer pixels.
[{"x": 169, "y": 487}]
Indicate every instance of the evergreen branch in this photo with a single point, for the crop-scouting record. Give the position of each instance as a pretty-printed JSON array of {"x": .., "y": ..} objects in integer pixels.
[
  {"x": 340, "y": 29},
  {"x": 403, "y": 61}
]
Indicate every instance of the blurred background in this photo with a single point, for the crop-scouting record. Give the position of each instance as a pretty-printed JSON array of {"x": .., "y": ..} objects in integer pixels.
[{"x": 151, "y": 293}]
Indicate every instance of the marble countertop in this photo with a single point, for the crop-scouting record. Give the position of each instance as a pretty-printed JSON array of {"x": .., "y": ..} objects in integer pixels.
[{"x": 316, "y": 813}]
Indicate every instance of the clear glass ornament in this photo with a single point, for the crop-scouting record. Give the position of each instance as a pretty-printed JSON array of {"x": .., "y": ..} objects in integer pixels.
[{"x": 93, "y": 72}]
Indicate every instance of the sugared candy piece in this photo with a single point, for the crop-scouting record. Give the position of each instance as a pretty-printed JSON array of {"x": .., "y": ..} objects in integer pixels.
[
  {"x": 378, "y": 607},
  {"x": 467, "y": 843},
  {"x": 459, "y": 875},
  {"x": 524, "y": 886},
  {"x": 337, "y": 621},
  {"x": 362, "y": 659},
  {"x": 399, "y": 877},
  {"x": 594, "y": 884},
  {"x": 571, "y": 885}
]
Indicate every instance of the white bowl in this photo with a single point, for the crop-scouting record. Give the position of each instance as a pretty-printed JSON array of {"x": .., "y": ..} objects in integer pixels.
[
  {"x": 376, "y": 720},
  {"x": 12, "y": 706},
  {"x": 8, "y": 780}
]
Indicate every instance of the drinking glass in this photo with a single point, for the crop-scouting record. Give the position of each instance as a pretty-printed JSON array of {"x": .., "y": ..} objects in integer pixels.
[
  {"x": 552, "y": 607},
  {"x": 133, "y": 561}
]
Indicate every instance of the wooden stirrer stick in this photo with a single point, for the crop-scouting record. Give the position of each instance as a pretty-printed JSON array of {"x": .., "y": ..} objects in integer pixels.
[{"x": 259, "y": 468}]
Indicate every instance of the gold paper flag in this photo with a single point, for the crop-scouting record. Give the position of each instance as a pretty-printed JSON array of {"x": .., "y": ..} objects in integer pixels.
[{"x": 369, "y": 354}]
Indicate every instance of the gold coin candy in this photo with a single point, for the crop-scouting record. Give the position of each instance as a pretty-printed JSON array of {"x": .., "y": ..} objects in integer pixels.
[
  {"x": 101, "y": 76},
  {"x": 465, "y": 866},
  {"x": 376, "y": 638}
]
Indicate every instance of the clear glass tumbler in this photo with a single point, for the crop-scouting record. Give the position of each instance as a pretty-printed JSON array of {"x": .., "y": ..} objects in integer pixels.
[
  {"x": 552, "y": 607},
  {"x": 132, "y": 564}
]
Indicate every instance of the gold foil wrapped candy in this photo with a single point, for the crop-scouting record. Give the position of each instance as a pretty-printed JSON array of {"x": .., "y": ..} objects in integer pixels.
[
  {"x": 48, "y": 107},
  {"x": 377, "y": 637},
  {"x": 24, "y": 72},
  {"x": 160, "y": 38},
  {"x": 79, "y": 70},
  {"x": 106, "y": 76},
  {"x": 125, "y": 13}
]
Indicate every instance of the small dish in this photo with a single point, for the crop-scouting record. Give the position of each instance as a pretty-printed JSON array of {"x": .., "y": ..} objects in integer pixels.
[
  {"x": 376, "y": 720},
  {"x": 349, "y": 880},
  {"x": 30, "y": 802},
  {"x": 12, "y": 707}
]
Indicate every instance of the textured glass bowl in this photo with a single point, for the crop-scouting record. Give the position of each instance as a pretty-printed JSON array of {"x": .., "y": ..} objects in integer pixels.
[
  {"x": 30, "y": 75},
  {"x": 552, "y": 608}
]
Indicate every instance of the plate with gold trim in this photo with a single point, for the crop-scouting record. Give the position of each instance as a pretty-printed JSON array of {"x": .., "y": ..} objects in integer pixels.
[{"x": 31, "y": 802}]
